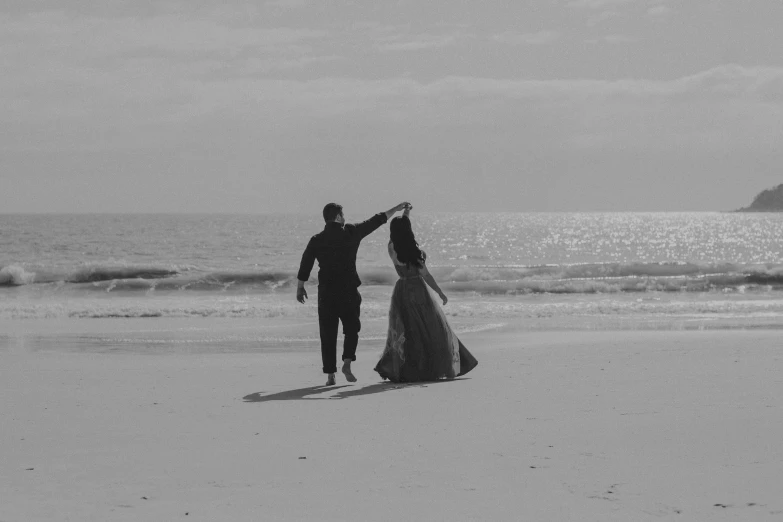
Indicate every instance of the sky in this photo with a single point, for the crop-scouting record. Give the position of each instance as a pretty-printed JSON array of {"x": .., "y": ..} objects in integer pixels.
[{"x": 453, "y": 105}]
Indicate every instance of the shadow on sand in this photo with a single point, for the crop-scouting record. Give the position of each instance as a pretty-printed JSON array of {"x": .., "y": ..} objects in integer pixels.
[{"x": 304, "y": 393}]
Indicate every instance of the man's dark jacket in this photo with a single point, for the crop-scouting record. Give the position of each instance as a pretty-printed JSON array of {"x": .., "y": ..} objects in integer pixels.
[{"x": 335, "y": 249}]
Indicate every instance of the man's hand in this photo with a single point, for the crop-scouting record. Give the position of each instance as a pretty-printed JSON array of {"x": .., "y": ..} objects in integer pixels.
[
  {"x": 444, "y": 299},
  {"x": 301, "y": 293}
]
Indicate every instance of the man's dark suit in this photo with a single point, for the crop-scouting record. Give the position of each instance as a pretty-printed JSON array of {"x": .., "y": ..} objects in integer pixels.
[{"x": 338, "y": 296}]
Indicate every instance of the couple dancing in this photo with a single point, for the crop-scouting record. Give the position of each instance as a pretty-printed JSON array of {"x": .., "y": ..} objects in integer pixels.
[{"x": 420, "y": 344}]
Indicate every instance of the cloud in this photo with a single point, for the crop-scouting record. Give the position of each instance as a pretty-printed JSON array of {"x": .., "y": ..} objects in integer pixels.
[
  {"x": 262, "y": 66},
  {"x": 145, "y": 92},
  {"x": 72, "y": 82},
  {"x": 612, "y": 39},
  {"x": 601, "y": 17},
  {"x": 156, "y": 49},
  {"x": 287, "y": 4},
  {"x": 659, "y": 10},
  {"x": 414, "y": 42},
  {"x": 539, "y": 38},
  {"x": 140, "y": 70},
  {"x": 153, "y": 122},
  {"x": 407, "y": 98},
  {"x": 596, "y": 4},
  {"x": 732, "y": 80},
  {"x": 618, "y": 39},
  {"x": 93, "y": 36}
]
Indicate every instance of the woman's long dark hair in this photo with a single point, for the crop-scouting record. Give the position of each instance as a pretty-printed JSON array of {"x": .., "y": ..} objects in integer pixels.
[{"x": 404, "y": 242}]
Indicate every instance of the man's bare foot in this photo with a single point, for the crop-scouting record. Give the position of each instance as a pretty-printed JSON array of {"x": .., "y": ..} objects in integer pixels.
[
  {"x": 331, "y": 381},
  {"x": 347, "y": 371}
]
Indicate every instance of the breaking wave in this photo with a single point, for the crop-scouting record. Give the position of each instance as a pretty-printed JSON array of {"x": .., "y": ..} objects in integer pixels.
[
  {"x": 16, "y": 275},
  {"x": 556, "y": 279}
]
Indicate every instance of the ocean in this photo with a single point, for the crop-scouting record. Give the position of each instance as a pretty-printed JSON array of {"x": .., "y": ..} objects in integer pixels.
[{"x": 538, "y": 270}]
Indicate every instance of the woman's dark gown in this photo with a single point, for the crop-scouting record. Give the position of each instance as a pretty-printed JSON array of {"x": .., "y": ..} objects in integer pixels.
[{"x": 420, "y": 344}]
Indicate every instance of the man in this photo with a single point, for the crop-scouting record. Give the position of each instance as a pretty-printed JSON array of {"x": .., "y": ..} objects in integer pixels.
[{"x": 338, "y": 295}]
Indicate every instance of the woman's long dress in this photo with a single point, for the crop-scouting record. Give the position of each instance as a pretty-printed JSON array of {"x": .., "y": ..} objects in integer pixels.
[{"x": 420, "y": 344}]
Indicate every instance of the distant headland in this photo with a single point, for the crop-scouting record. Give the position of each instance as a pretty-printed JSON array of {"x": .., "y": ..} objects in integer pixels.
[{"x": 770, "y": 200}]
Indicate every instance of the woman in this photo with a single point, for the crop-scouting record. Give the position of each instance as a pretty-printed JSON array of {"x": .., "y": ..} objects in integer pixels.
[{"x": 420, "y": 345}]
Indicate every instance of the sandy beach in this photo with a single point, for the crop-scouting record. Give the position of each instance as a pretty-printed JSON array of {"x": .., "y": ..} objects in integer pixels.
[{"x": 595, "y": 426}]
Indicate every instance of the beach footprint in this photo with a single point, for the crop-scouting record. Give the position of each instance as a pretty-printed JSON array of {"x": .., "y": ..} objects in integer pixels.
[{"x": 746, "y": 505}]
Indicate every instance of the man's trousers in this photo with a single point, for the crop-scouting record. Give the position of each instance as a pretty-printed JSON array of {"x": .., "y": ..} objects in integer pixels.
[{"x": 336, "y": 306}]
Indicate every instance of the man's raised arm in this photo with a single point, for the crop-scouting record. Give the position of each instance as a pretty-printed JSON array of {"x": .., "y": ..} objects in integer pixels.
[
  {"x": 371, "y": 225},
  {"x": 391, "y": 211}
]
